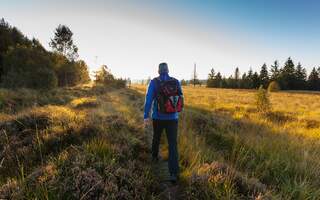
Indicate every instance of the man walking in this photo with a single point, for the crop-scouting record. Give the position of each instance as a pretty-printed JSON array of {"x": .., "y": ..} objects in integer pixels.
[{"x": 165, "y": 97}]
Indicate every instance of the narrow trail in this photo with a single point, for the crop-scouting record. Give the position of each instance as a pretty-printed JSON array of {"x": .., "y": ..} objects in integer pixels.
[{"x": 161, "y": 171}]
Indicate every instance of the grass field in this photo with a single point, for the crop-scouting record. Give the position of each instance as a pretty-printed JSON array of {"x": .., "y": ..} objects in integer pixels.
[
  {"x": 276, "y": 154},
  {"x": 74, "y": 143},
  {"x": 88, "y": 142}
]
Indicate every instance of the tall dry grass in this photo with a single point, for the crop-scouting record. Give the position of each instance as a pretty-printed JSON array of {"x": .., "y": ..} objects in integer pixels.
[
  {"x": 74, "y": 143},
  {"x": 274, "y": 155},
  {"x": 88, "y": 143}
]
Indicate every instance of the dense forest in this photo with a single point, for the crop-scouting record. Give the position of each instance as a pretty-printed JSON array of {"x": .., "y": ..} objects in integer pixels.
[
  {"x": 288, "y": 77},
  {"x": 26, "y": 63}
]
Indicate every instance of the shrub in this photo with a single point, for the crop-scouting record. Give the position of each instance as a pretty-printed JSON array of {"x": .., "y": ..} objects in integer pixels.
[
  {"x": 28, "y": 67},
  {"x": 218, "y": 180},
  {"x": 26, "y": 63},
  {"x": 119, "y": 83},
  {"x": 183, "y": 82},
  {"x": 105, "y": 77},
  {"x": 273, "y": 87},
  {"x": 262, "y": 101}
]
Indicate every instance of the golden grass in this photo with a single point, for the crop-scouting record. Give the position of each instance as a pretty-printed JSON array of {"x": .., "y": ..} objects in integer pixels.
[
  {"x": 87, "y": 142},
  {"x": 74, "y": 143},
  {"x": 280, "y": 149}
]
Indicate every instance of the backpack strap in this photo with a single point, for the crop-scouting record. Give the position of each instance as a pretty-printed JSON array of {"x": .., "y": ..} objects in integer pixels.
[{"x": 157, "y": 82}]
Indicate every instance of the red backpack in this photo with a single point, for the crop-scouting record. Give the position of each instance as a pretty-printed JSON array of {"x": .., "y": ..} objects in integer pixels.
[{"x": 169, "y": 98}]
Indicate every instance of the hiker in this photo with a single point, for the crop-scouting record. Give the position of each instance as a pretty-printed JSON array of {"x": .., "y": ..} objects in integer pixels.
[{"x": 165, "y": 97}]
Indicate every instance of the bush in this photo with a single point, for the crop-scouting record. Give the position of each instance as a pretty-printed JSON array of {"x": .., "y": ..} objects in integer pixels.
[
  {"x": 28, "y": 67},
  {"x": 218, "y": 180},
  {"x": 69, "y": 73},
  {"x": 262, "y": 101},
  {"x": 183, "y": 82},
  {"x": 26, "y": 63},
  {"x": 105, "y": 77},
  {"x": 273, "y": 87},
  {"x": 120, "y": 83}
]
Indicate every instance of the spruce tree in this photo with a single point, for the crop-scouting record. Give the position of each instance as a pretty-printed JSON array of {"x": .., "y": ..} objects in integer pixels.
[
  {"x": 287, "y": 76},
  {"x": 244, "y": 81},
  {"x": 255, "y": 80},
  {"x": 218, "y": 80},
  {"x": 314, "y": 80},
  {"x": 250, "y": 78},
  {"x": 301, "y": 77},
  {"x": 264, "y": 76},
  {"x": 211, "y": 79},
  {"x": 274, "y": 71}
]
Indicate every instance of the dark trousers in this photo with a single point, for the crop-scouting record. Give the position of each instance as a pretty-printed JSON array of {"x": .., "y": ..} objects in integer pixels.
[{"x": 171, "y": 128}]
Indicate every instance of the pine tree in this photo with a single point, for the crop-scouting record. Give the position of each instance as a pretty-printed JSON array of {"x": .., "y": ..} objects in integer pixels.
[
  {"x": 314, "y": 80},
  {"x": 255, "y": 80},
  {"x": 250, "y": 78},
  {"x": 301, "y": 77},
  {"x": 211, "y": 79},
  {"x": 224, "y": 82},
  {"x": 287, "y": 75},
  {"x": 244, "y": 81},
  {"x": 264, "y": 76},
  {"x": 274, "y": 71},
  {"x": 63, "y": 42},
  {"x": 218, "y": 80}
]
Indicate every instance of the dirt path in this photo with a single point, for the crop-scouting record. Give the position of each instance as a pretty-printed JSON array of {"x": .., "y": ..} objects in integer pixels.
[{"x": 160, "y": 169}]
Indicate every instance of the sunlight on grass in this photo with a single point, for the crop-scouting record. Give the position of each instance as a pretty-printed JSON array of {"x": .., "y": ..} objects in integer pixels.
[
  {"x": 281, "y": 149},
  {"x": 85, "y": 102}
]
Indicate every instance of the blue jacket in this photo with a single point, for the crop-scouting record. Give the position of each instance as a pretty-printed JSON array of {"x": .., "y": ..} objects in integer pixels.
[{"x": 151, "y": 101}]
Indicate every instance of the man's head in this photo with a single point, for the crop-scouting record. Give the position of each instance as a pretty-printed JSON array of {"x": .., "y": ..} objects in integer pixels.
[{"x": 163, "y": 68}]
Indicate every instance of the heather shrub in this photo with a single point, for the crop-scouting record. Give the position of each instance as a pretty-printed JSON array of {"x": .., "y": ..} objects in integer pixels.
[{"x": 218, "y": 181}]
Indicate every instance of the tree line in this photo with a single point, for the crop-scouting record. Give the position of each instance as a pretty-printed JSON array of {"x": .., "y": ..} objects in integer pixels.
[
  {"x": 288, "y": 77},
  {"x": 105, "y": 77},
  {"x": 26, "y": 63}
]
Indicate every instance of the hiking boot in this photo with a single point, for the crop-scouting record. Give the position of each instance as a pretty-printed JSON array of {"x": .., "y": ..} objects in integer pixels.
[
  {"x": 156, "y": 159},
  {"x": 173, "y": 178}
]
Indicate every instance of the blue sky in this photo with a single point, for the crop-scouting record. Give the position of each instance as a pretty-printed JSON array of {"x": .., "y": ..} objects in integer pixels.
[{"x": 133, "y": 37}]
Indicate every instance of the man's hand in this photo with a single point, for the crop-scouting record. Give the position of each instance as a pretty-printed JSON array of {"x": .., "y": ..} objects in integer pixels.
[{"x": 146, "y": 122}]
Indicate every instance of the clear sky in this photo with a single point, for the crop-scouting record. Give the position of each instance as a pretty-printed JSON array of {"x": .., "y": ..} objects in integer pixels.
[{"x": 133, "y": 36}]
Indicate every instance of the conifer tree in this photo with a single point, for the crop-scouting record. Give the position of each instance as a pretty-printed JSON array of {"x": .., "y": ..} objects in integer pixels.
[
  {"x": 255, "y": 80},
  {"x": 301, "y": 77},
  {"x": 314, "y": 80},
  {"x": 274, "y": 71},
  {"x": 211, "y": 79},
  {"x": 218, "y": 80},
  {"x": 264, "y": 76},
  {"x": 63, "y": 42},
  {"x": 287, "y": 75},
  {"x": 250, "y": 78}
]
